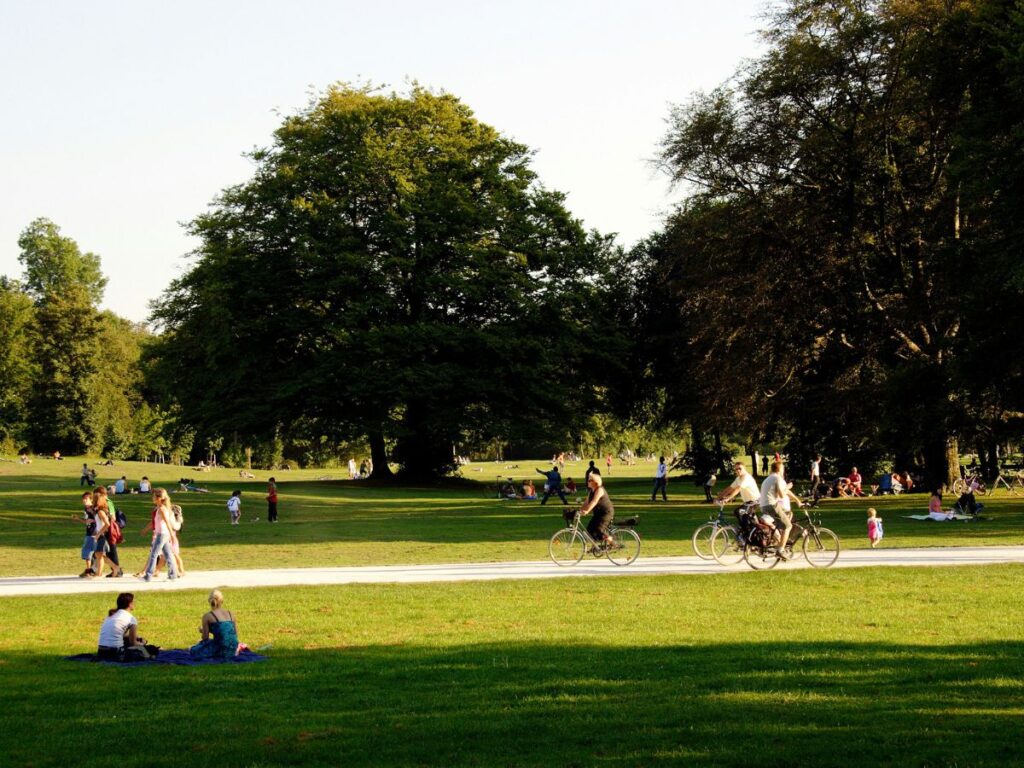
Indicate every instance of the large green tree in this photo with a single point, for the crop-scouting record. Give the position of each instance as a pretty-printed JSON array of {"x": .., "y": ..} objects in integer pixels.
[
  {"x": 393, "y": 270},
  {"x": 66, "y": 286},
  {"x": 17, "y": 367},
  {"x": 826, "y": 216}
]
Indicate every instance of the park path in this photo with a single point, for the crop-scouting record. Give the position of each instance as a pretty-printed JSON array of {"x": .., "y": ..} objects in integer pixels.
[{"x": 540, "y": 569}]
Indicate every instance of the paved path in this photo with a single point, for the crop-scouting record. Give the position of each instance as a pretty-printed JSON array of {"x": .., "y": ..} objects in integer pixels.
[{"x": 542, "y": 569}]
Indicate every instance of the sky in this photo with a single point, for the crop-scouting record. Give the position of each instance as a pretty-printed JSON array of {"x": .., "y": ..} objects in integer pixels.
[{"x": 122, "y": 121}]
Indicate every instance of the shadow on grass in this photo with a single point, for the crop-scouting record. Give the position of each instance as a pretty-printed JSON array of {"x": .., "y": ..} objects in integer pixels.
[{"x": 516, "y": 704}]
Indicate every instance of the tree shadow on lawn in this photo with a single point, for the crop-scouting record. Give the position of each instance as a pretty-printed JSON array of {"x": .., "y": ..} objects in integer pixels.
[{"x": 527, "y": 704}]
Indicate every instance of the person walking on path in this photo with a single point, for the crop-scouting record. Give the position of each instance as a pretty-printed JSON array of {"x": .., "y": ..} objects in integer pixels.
[
  {"x": 553, "y": 485},
  {"x": 272, "y": 501},
  {"x": 660, "y": 480},
  {"x": 163, "y": 535}
]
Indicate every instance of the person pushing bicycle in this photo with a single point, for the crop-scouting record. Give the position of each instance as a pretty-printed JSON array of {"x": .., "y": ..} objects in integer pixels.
[{"x": 600, "y": 505}]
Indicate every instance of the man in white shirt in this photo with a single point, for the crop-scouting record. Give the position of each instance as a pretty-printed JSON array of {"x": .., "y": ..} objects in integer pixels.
[
  {"x": 744, "y": 484},
  {"x": 660, "y": 480},
  {"x": 773, "y": 490}
]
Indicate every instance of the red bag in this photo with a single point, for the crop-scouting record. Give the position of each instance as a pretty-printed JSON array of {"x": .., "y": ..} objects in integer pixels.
[{"x": 114, "y": 534}]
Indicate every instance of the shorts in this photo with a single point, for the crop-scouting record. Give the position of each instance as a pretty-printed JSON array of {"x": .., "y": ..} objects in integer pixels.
[
  {"x": 88, "y": 547},
  {"x": 102, "y": 546}
]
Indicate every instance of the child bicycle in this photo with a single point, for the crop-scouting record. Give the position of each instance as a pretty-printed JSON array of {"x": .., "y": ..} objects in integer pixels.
[{"x": 569, "y": 545}]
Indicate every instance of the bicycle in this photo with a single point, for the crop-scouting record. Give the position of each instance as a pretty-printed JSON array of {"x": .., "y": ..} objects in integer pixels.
[
  {"x": 729, "y": 541},
  {"x": 569, "y": 545},
  {"x": 705, "y": 533},
  {"x": 820, "y": 546},
  {"x": 971, "y": 482},
  {"x": 1014, "y": 485}
]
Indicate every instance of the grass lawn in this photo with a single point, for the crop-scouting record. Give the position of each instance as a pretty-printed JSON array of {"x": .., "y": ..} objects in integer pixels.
[
  {"x": 340, "y": 522},
  {"x": 908, "y": 667}
]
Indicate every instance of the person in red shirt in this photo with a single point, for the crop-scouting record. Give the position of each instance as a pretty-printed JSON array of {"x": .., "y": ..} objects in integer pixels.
[
  {"x": 272, "y": 501},
  {"x": 855, "y": 482}
]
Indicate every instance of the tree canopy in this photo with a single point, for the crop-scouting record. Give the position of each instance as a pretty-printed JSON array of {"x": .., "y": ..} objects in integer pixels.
[{"x": 395, "y": 270}]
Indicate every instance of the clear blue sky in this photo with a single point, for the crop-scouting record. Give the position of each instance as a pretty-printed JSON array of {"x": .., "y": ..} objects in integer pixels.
[{"x": 122, "y": 120}]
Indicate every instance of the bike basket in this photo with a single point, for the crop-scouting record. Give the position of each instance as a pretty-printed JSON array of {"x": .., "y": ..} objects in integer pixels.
[{"x": 569, "y": 514}]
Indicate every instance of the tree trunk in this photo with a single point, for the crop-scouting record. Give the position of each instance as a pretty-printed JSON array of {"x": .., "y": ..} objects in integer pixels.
[
  {"x": 379, "y": 457},
  {"x": 942, "y": 463}
]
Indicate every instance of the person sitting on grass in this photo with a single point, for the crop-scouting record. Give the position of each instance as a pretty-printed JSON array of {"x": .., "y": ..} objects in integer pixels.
[
  {"x": 529, "y": 490},
  {"x": 119, "y": 635},
  {"x": 855, "y": 483},
  {"x": 218, "y": 630},
  {"x": 935, "y": 508},
  {"x": 600, "y": 505},
  {"x": 121, "y": 486},
  {"x": 144, "y": 485},
  {"x": 246, "y": 474}
]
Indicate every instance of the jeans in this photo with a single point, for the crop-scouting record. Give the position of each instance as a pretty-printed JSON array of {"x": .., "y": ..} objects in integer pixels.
[
  {"x": 162, "y": 546},
  {"x": 659, "y": 484}
]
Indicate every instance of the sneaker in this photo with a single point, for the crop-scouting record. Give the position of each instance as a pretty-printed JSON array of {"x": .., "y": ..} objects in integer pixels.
[
  {"x": 147, "y": 577},
  {"x": 782, "y": 555}
]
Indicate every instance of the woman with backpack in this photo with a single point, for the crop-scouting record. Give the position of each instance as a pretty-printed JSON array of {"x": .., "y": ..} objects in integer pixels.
[{"x": 108, "y": 535}]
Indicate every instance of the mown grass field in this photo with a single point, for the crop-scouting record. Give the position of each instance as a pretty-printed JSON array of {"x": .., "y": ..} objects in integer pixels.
[
  {"x": 907, "y": 667},
  {"x": 342, "y": 522}
]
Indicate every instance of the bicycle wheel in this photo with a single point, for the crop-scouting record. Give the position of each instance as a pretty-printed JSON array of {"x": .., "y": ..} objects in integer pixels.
[
  {"x": 760, "y": 559},
  {"x": 821, "y": 548},
  {"x": 702, "y": 540},
  {"x": 726, "y": 547},
  {"x": 959, "y": 486},
  {"x": 625, "y": 546},
  {"x": 566, "y": 547}
]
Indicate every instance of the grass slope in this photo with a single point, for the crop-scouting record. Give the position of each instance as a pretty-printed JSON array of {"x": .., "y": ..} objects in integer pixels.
[
  {"x": 914, "y": 667},
  {"x": 340, "y": 522}
]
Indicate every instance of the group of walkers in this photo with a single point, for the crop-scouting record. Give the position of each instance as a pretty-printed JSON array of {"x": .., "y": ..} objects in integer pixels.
[
  {"x": 119, "y": 638},
  {"x": 105, "y": 527}
]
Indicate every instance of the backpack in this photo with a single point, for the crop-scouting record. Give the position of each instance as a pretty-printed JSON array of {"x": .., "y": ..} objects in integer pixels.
[
  {"x": 118, "y": 516},
  {"x": 114, "y": 533},
  {"x": 177, "y": 519}
]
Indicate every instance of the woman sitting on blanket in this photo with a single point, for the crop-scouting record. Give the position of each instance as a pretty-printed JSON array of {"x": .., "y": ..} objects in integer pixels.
[
  {"x": 119, "y": 638},
  {"x": 935, "y": 508},
  {"x": 219, "y": 631}
]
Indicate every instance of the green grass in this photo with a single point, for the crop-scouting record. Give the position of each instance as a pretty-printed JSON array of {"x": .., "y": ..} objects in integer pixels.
[
  {"x": 908, "y": 667},
  {"x": 339, "y": 522}
]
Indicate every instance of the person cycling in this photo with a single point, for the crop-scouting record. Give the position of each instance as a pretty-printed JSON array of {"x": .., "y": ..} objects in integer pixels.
[
  {"x": 600, "y": 505},
  {"x": 744, "y": 484},
  {"x": 773, "y": 490}
]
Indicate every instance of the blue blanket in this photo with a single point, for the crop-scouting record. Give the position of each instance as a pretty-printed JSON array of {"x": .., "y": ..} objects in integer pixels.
[{"x": 173, "y": 656}]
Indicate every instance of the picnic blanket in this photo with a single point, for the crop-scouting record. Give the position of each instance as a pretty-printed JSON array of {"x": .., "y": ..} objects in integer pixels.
[
  {"x": 967, "y": 518},
  {"x": 178, "y": 656}
]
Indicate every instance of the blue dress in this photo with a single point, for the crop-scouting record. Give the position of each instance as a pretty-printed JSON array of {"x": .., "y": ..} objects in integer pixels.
[{"x": 222, "y": 644}]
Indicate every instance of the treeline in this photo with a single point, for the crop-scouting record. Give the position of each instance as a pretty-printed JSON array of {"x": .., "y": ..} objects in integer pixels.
[{"x": 844, "y": 276}]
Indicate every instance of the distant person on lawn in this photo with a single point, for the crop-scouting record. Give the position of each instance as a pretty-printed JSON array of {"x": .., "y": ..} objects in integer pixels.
[
  {"x": 272, "y": 501},
  {"x": 553, "y": 485},
  {"x": 235, "y": 507},
  {"x": 660, "y": 480}
]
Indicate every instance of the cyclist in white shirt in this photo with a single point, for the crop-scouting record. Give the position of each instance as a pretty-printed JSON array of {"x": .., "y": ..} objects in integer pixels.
[
  {"x": 744, "y": 484},
  {"x": 773, "y": 490}
]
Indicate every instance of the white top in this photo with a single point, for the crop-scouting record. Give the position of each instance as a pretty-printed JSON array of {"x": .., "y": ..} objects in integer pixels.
[
  {"x": 773, "y": 490},
  {"x": 815, "y": 468},
  {"x": 114, "y": 627},
  {"x": 662, "y": 469},
  {"x": 747, "y": 485},
  {"x": 158, "y": 521},
  {"x": 144, "y": 487},
  {"x": 234, "y": 503}
]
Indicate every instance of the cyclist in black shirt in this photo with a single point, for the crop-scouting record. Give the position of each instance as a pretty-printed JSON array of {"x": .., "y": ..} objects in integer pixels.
[{"x": 600, "y": 505}]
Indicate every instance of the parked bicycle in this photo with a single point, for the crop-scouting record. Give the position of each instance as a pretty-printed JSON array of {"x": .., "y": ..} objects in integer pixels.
[
  {"x": 819, "y": 545},
  {"x": 969, "y": 483},
  {"x": 569, "y": 545},
  {"x": 1014, "y": 483}
]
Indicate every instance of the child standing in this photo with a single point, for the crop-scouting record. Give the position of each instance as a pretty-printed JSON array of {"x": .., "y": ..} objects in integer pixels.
[
  {"x": 272, "y": 500},
  {"x": 235, "y": 506},
  {"x": 875, "y": 531}
]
